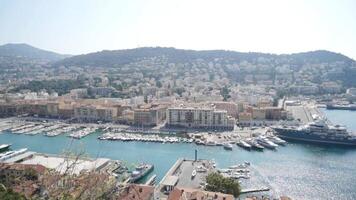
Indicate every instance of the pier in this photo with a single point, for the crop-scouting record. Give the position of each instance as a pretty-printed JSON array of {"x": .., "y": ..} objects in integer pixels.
[
  {"x": 151, "y": 180},
  {"x": 251, "y": 190}
]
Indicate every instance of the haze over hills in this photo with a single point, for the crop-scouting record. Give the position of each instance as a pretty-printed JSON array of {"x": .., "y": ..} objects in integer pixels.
[
  {"x": 120, "y": 57},
  {"x": 125, "y": 56},
  {"x": 18, "y": 51}
]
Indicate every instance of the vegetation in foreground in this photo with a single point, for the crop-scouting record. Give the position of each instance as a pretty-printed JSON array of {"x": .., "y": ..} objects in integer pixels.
[{"x": 217, "y": 183}]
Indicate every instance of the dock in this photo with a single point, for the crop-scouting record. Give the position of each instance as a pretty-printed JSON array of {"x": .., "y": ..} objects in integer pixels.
[
  {"x": 152, "y": 180},
  {"x": 251, "y": 190}
]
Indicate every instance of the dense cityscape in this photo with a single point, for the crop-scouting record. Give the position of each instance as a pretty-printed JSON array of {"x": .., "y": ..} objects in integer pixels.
[
  {"x": 188, "y": 122},
  {"x": 159, "y": 98}
]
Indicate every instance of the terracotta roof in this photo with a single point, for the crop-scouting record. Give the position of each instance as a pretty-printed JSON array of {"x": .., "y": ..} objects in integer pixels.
[
  {"x": 196, "y": 194},
  {"x": 139, "y": 192},
  {"x": 18, "y": 166}
]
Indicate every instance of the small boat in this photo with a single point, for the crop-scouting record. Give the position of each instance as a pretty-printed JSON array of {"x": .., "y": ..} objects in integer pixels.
[
  {"x": 4, "y": 147},
  {"x": 228, "y": 146},
  {"x": 194, "y": 173},
  {"x": 210, "y": 143},
  {"x": 201, "y": 168},
  {"x": 199, "y": 142},
  {"x": 239, "y": 166}
]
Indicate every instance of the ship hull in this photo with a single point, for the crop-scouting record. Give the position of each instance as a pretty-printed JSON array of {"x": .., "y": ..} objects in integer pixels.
[
  {"x": 141, "y": 176},
  {"x": 337, "y": 107},
  {"x": 300, "y": 136}
]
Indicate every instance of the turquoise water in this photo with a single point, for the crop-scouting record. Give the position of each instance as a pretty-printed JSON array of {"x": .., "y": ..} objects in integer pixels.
[{"x": 300, "y": 171}]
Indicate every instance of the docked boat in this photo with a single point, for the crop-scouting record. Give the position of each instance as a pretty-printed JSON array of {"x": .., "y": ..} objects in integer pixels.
[
  {"x": 266, "y": 142},
  {"x": 140, "y": 172},
  {"x": 227, "y": 146},
  {"x": 199, "y": 142},
  {"x": 4, "y": 147},
  {"x": 244, "y": 144},
  {"x": 239, "y": 166},
  {"x": 194, "y": 173},
  {"x": 341, "y": 107},
  {"x": 210, "y": 143},
  {"x": 254, "y": 144},
  {"x": 13, "y": 154},
  {"x": 317, "y": 132},
  {"x": 276, "y": 140}
]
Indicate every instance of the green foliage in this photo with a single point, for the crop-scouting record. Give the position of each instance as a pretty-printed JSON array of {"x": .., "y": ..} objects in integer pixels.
[
  {"x": 179, "y": 91},
  {"x": 31, "y": 174},
  {"x": 225, "y": 92},
  {"x": 217, "y": 183},
  {"x": 59, "y": 86},
  {"x": 158, "y": 84},
  {"x": 8, "y": 194}
]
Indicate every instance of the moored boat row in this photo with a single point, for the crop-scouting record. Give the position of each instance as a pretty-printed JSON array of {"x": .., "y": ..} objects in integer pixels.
[{"x": 82, "y": 133}]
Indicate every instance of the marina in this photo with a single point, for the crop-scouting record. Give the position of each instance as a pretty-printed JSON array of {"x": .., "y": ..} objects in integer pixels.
[
  {"x": 272, "y": 168},
  {"x": 82, "y": 133}
]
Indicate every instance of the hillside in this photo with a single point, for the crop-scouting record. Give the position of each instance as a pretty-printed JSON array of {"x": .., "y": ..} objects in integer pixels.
[
  {"x": 25, "y": 51},
  {"x": 121, "y": 57}
]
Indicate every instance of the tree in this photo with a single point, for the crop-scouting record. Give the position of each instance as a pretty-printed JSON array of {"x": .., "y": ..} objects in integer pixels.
[
  {"x": 217, "y": 183},
  {"x": 9, "y": 194},
  {"x": 158, "y": 84},
  {"x": 225, "y": 93}
]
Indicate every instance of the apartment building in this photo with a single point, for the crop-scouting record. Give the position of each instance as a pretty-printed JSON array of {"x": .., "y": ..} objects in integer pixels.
[
  {"x": 199, "y": 117},
  {"x": 93, "y": 113},
  {"x": 149, "y": 116}
]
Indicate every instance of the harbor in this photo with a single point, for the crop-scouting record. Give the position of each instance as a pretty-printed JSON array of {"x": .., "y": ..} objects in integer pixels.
[
  {"x": 309, "y": 162},
  {"x": 246, "y": 138}
]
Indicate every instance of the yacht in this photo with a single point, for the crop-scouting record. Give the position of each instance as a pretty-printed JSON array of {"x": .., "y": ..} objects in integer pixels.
[
  {"x": 266, "y": 142},
  {"x": 140, "y": 172},
  {"x": 255, "y": 144},
  {"x": 318, "y": 131},
  {"x": 244, "y": 144},
  {"x": 276, "y": 140}
]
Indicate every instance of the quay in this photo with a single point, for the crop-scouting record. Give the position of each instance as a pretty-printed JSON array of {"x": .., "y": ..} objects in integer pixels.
[
  {"x": 151, "y": 180},
  {"x": 182, "y": 175},
  {"x": 251, "y": 190}
]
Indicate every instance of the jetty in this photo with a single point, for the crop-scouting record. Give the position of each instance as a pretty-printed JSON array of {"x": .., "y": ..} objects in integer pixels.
[{"x": 251, "y": 190}]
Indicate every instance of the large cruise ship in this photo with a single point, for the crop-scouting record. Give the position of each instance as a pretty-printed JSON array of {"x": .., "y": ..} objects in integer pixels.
[{"x": 317, "y": 132}]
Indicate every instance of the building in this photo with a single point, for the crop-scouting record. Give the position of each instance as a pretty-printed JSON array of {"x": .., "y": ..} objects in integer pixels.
[
  {"x": 149, "y": 116},
  {"x": 330, "y": 87},
  {"x": 197, "y": 194},
  {"x": 351, "y": 94},
  {"x": 258, "y": 113},
  {"x": 101, "y": 91},
  {"x": 94, "y": 112},
  {"x": 78, "y": 93},
  {"x": 135, "y": 191},
  {"x": 245, "y": 119},
  {"x": 53, "y": 109},
  {"x": 199, "y": 117},
  {"x": 230, "y": 107}
]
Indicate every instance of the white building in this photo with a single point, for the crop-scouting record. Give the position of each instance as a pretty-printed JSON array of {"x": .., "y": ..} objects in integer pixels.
[{"x": 199, "y": 117}]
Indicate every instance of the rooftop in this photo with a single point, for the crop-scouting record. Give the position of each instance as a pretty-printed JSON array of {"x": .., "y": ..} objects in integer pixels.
[{"x": 61, "y": 164}]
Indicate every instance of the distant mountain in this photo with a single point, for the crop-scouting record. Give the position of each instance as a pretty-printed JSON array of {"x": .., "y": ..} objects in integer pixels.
[
  {"x": 120, "y": 57},
  {"x": 28, "y": 52}
]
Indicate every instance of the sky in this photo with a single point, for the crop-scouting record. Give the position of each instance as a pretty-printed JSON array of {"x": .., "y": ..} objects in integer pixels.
[{"x": 274, "y": 26}]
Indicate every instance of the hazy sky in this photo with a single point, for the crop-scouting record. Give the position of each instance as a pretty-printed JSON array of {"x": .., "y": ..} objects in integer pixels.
[{"x": 82, "y": 26}]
